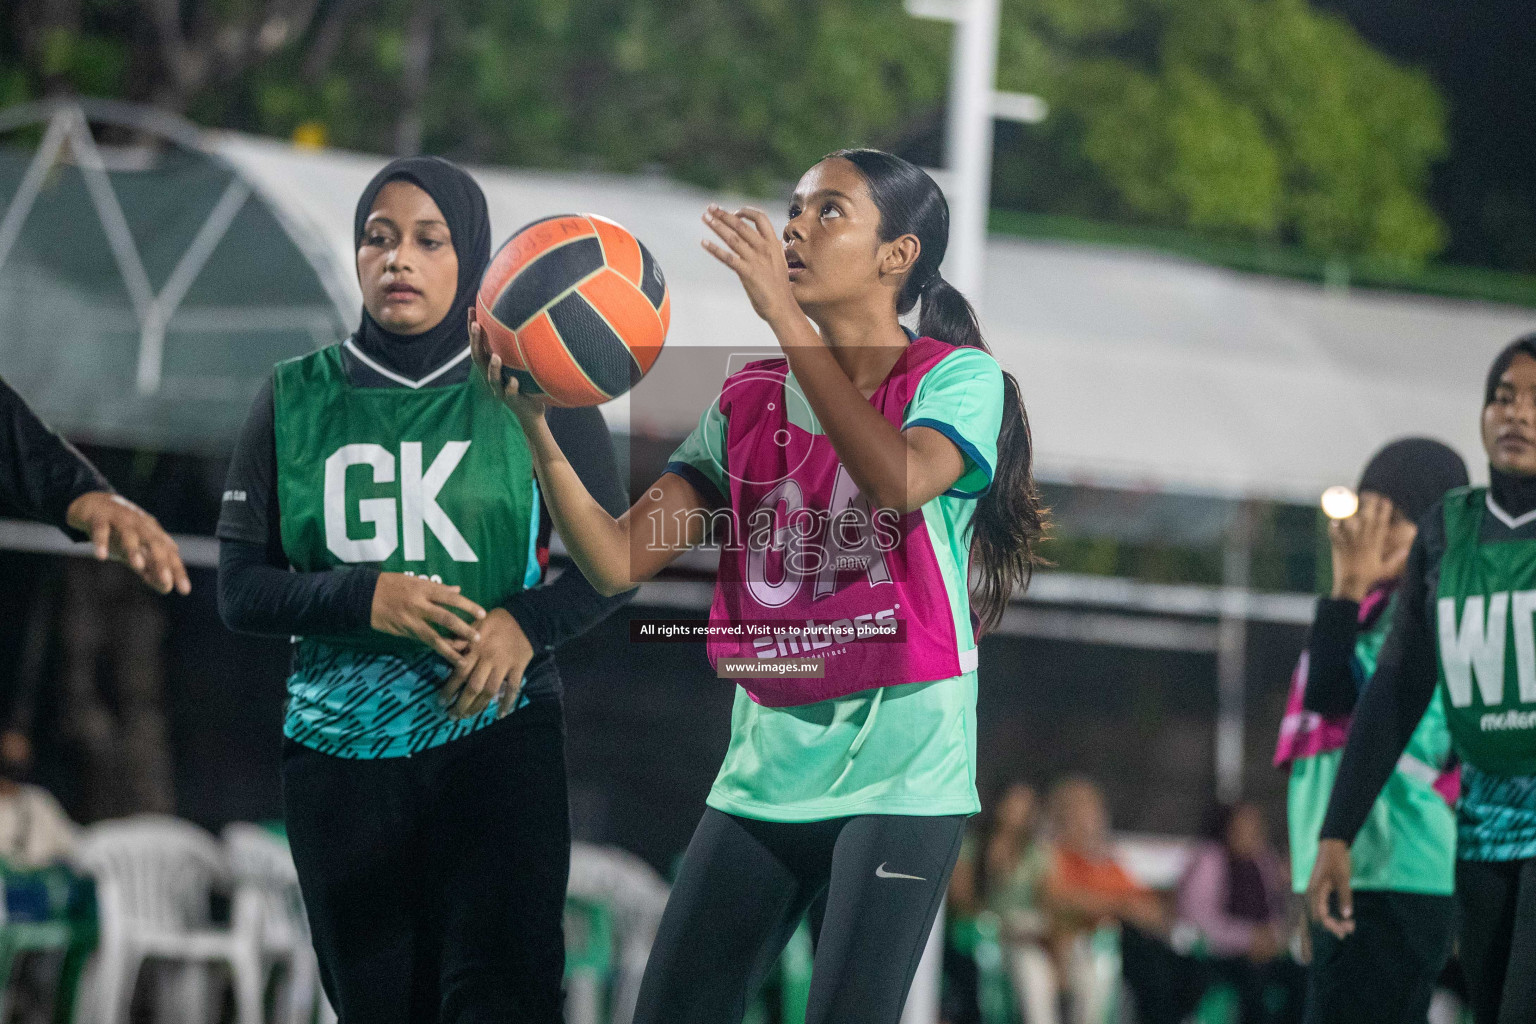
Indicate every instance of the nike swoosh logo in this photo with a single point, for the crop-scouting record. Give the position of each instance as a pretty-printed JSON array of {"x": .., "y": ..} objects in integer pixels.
[{"x": 880, "y": 872}]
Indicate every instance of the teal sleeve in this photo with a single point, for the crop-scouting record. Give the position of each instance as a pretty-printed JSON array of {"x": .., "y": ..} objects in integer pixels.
[
  {"x": 700, "y": 459},
  {"x": 962, "y": 398}
]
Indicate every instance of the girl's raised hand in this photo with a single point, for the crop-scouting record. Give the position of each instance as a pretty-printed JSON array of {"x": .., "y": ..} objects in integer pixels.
[
  {"x": 1366, "y": 549},
  {"x": 524, "y": 406},
  {"x": 752, "y": 249}
]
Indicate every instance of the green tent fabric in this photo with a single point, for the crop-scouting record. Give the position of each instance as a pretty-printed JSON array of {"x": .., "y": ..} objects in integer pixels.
[{"x": 72, "y": 336}]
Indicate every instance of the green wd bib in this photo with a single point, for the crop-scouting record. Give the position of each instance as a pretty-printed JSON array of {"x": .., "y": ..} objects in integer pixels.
[
  {"x": 1487, "y": 640},
  {"x": 435, "y": 481}
]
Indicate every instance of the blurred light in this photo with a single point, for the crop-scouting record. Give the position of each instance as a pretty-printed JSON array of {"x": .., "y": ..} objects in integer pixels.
[
  {"x": 1339, "y": 502},
  {"x": 1026, "y": 108},
  {"x": 937, "y": 10},
  {"x": 310, "y": 135}
]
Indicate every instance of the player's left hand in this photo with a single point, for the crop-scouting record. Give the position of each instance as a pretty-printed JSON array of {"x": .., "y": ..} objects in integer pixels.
[
  {"x": 1330, "y": 884},
  {"x": 123, "y": 532},
  {"x": 525, "y": 407},
  {"x": 490, "y": 668},
  {"x": 752, "y": 248}
]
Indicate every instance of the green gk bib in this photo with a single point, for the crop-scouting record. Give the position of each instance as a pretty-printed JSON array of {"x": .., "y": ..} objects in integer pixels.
[
  {"x": 435, "y": 481},
  {"x": 1487, "y": 640}
]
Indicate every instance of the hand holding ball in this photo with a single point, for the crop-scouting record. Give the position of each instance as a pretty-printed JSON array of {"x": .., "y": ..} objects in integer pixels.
[{"x": 576, "y": 309}]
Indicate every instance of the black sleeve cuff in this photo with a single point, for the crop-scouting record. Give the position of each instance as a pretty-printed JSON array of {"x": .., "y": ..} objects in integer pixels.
[
  {"x": 355, "y": 598},
  {"x": 524, "y": 606}
]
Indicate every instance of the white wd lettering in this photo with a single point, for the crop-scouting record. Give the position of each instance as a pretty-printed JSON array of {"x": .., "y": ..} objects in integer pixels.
[
  {"x": 418, "y": 503},
  {"x": 1523, "y": 604},
  {"x": 1478, "y": 647}
]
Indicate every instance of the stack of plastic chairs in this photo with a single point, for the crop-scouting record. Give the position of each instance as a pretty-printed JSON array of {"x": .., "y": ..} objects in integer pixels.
[
  {"x": 267, "y": 901},
  {"x": 633, "y": 896},
  {"x": 588, "y": 960},
  {"x": 154, "y": 879}
]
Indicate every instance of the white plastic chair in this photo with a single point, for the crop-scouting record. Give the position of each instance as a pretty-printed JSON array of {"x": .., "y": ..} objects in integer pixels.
[
  {"x": 635, "y": 896},
  {"x": 154, "y": 876},
  {"x": 267, "y": 900}
]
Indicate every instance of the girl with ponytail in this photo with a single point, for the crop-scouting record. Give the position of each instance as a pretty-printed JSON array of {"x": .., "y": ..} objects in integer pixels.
[{"x": 866, "y": 476}]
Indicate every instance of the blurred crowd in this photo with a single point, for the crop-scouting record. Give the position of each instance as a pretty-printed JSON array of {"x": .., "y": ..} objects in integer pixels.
[{"x": 1077, "y": 931}]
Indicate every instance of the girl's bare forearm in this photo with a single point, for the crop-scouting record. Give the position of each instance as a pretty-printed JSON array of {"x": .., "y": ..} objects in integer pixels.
[
  {"x": 874, "y": 452},
  {"x": 596, "y": 542}
]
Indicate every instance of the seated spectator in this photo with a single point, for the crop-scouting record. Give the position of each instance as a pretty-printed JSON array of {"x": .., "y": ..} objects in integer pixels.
[
  {"x": 1001, "y": 871},
  {"x": 1085, "y": 890},
  {"x": 1235, "y": 891},
  {"x": 34, "y": 830}
]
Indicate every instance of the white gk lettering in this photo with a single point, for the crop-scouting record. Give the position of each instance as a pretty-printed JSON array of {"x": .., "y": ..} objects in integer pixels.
[
  {"x": 1475, "y": 648},
  {"x": 418, "y": 507}
]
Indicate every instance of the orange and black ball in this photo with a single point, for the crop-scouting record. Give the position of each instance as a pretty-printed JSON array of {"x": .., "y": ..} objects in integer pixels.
[{"x": 576, "y": 308}]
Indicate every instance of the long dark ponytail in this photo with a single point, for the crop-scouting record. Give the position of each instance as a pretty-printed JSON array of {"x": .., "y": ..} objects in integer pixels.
[{"x": 1010, "y": 518}]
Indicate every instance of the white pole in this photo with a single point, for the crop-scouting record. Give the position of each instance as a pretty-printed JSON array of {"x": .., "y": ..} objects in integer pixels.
[
  {"x": 973, "y": 75},
  {"x": 1232, "y": 655}
]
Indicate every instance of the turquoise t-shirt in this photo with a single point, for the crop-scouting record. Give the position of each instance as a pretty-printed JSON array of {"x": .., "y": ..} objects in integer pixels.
[
  {"x": 1408, "y": 843},
  {"x": 907, "y": 749}
]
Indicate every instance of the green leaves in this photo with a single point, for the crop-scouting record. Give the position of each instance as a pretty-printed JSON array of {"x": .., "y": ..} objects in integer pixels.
[
  {"x": 1255, "y": 119},
  {"x": 1262, "y": 118}
]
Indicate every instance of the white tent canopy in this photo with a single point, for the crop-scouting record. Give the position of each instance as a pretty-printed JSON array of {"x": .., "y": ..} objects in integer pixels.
[{"x": 1138, "y": 370}]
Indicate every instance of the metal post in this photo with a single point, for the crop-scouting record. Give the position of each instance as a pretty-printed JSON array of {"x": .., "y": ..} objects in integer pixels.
[
  {"x": 973, "y": 75},
  {"x": 973, "y": 104},
  {"x": 1232, "y": 654}
]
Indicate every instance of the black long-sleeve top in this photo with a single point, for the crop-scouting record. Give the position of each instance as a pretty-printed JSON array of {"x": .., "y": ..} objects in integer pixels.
[
  {"x": 1399, "y": 693},
  {"x": 259, "y": 593},
  {"x": 41, "y": 474},
  {"x": 1333, "y": 683}
]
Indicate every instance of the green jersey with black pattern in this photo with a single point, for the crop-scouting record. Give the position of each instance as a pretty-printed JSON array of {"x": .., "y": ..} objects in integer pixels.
[{"x": 434, "y": 481}]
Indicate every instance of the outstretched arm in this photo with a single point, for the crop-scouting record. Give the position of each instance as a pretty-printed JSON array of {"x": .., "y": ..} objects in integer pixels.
[
  {"x": 567, "y": 607},
  {"x": 43, "y": 478}
]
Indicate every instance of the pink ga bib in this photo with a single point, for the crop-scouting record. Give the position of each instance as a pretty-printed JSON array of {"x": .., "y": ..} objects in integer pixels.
[{"x": 805, "y": 551}]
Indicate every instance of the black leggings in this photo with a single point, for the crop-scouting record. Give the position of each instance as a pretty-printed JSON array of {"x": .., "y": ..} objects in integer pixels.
[
  {"x": 435, "y": 884},
  {"x": 1498, "y": 938},
  {"x": 745, "y": 884},
  {"x": 1385, "y": 972}
]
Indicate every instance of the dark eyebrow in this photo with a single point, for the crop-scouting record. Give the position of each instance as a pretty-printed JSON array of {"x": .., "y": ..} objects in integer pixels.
[
  {"x": 380, "y": 218},
  {"x": 828, "y": 192}
]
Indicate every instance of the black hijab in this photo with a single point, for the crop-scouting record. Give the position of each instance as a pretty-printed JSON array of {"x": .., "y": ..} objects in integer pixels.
[{"x": 469, "y": 226}]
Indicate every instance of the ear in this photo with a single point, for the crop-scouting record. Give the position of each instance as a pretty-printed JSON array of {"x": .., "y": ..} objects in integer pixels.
[{"x": 899, "y": 255}]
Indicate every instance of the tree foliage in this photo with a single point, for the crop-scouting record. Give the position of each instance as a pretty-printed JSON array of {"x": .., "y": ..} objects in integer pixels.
[{"x": 1256, "y": 118}]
